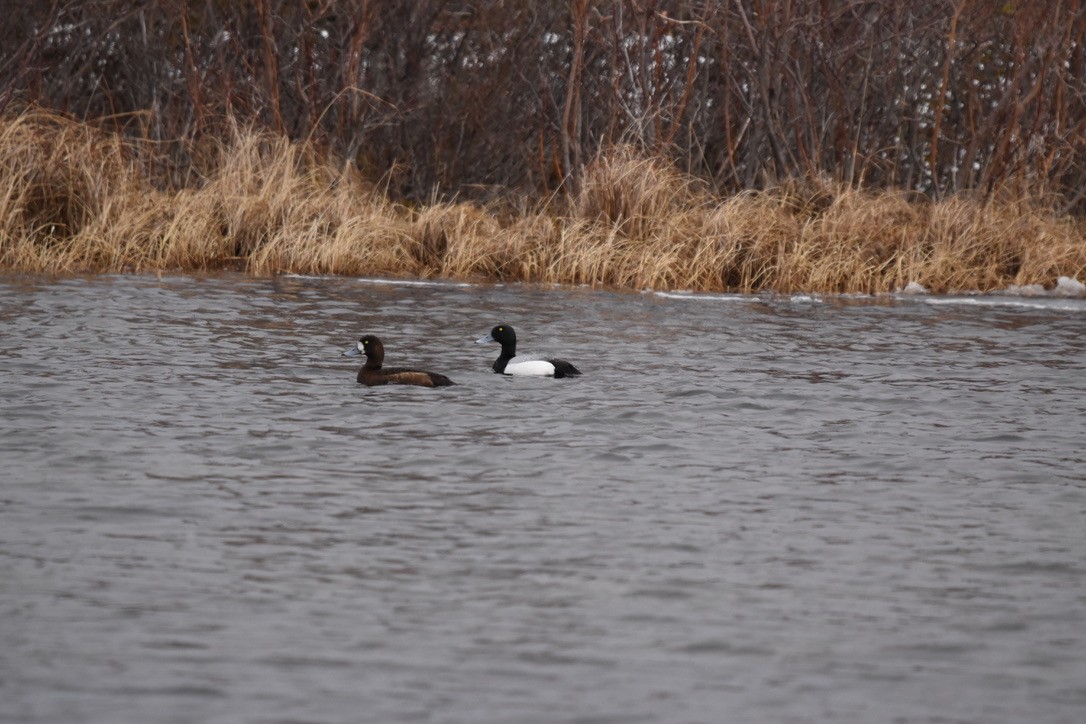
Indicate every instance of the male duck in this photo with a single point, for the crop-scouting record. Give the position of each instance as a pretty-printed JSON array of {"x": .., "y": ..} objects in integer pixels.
[
  {"x": 372, "y": 373},
  {"x": 509, "y": 364}
]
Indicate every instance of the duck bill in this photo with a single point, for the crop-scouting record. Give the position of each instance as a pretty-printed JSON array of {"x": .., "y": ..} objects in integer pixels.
[
  {"x": 484, "y": 340},
  {"x": 352, "y": 352}
]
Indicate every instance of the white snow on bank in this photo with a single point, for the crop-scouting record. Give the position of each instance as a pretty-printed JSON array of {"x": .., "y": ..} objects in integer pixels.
[
  {"x": 914, "y": 288},
  {"x": 411, "y": 282},
  {"x": 1046, "y": 303},
  {"x": 1068, "y": 295},
  {"x": 1027, "y": 290},
  {"x": 709, "y": 297},
  {"x": 376, "y": 280},
  {"x": 696, "y": 297},
  {"x": 1068, "y": 287}
]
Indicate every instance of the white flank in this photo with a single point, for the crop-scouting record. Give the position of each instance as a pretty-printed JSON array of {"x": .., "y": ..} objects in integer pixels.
[{"x": 534, "y": 368}]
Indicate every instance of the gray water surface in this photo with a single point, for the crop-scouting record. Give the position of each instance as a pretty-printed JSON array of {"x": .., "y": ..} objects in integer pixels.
[{"x": 748, "y": 509}]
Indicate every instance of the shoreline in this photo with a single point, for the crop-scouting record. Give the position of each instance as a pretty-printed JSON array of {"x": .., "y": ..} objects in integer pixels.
[{"x": 1067, "y": 290}]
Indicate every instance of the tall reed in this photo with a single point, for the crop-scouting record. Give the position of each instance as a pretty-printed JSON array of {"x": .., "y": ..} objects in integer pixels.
[{"x": 74, "y": 199}]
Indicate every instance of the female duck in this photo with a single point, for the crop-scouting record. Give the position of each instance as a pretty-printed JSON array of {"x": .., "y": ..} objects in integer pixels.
[
  {"x": 508, "y": 363},
  {"x": 372, "y": 373}
]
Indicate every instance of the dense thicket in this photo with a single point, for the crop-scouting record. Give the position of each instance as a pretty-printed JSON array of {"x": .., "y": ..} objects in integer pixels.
[{"x": 472, "y": 99}]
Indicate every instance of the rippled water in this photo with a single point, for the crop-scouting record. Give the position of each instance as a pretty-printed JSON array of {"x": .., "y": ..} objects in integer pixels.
[{"x": 747, "y": 509}]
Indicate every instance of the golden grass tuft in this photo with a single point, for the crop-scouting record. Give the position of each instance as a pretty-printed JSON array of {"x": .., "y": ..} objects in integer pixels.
[
  {"x": 60, "y": 181},
  {"x": 633, "y": 195},
  {"x": 74, "y": 199}
]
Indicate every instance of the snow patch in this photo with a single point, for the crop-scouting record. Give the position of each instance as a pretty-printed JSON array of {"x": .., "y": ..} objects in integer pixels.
[
  {"x": 1065, "y": 287},
  {"x": 411, "y": 282},
  {"x": 1068, "y": 287},
  {"x": 696, "y": 297},
  {"x": 1026, "y": 290}
]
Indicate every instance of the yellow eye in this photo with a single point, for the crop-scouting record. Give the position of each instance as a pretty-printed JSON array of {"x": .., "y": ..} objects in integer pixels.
[{"x": 501, "y": 329}]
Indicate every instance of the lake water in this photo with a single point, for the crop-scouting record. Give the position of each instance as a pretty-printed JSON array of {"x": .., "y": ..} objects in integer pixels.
[{"x": 748, "y": 509}]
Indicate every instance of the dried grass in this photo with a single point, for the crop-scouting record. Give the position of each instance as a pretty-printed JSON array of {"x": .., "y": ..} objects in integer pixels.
[{"x": 74, "y": 199}]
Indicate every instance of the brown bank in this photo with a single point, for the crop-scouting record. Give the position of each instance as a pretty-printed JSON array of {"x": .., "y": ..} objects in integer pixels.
[{"x": 74, "y": 199}]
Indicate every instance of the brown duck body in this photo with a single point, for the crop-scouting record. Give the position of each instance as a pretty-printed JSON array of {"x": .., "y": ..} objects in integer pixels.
[
  {"x": 374, "y": 372},
  {"x": 372, "y": 376}
]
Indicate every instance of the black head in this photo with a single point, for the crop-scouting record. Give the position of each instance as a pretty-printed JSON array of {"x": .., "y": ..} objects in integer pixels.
[
  {"x": 371, "y": 347},
  {"x": 503, "y": 334}
]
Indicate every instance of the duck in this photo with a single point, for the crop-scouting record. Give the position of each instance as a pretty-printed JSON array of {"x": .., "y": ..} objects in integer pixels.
[
  {"x": 372, "y": 373},
  {"x": 509, "y": 364}
]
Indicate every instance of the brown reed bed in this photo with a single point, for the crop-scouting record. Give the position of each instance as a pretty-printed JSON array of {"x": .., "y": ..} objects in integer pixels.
[{"x": 76, "y": 200}]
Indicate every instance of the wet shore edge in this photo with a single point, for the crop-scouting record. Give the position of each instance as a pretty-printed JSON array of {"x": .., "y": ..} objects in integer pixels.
[{"x": 77, "y": 200}]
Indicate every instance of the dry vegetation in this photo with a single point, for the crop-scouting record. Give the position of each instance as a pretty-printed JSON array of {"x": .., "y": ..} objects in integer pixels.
[
  {"x": 836, "y": 146},
  {"x": 74, "y": 198}
]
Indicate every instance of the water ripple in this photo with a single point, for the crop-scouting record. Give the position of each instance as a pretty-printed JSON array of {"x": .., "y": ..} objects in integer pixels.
[{"x": 782, "y": 508}]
